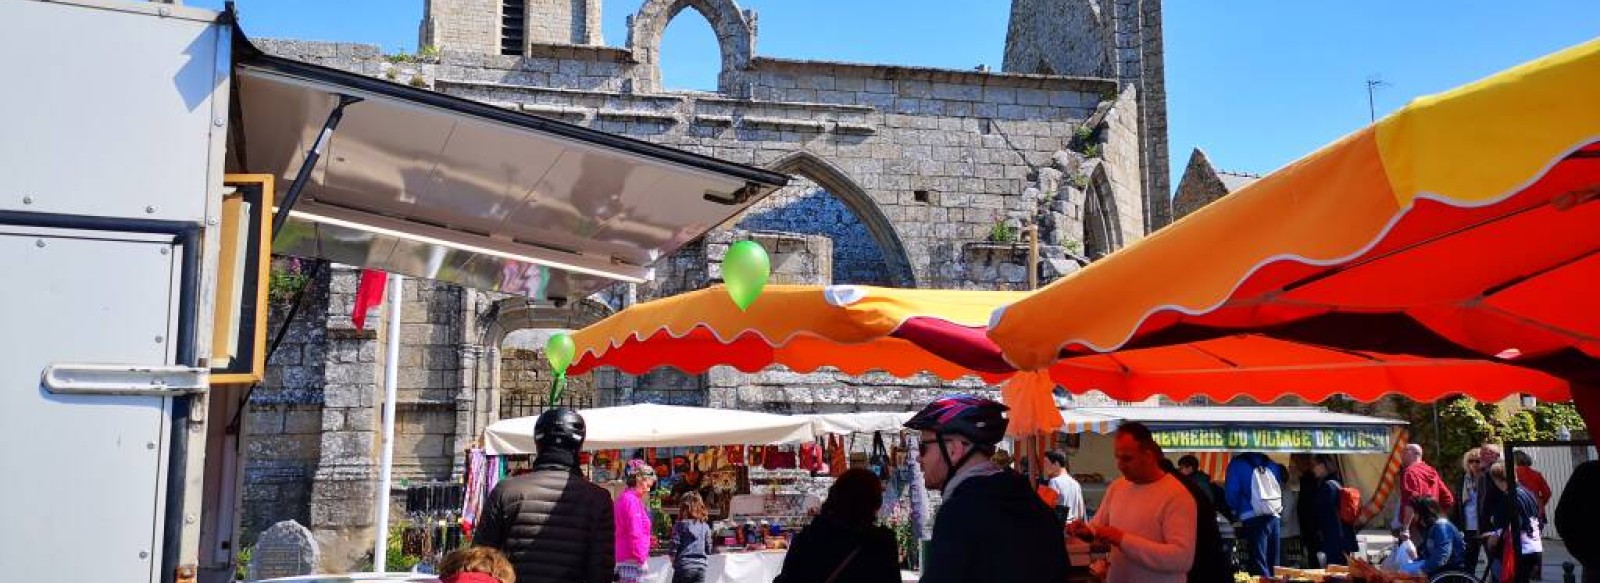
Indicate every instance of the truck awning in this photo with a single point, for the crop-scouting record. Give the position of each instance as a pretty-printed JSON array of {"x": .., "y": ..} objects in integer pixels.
[{"x": 428, "y": 185}]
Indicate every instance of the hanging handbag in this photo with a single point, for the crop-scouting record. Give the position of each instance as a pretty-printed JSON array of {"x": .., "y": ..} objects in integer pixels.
[
  {"x": 811, "y": 457},
  {"x": 777, "y": 459},
  {"x": 879, "y": 461},
  {"x": 837, "y": 462}
]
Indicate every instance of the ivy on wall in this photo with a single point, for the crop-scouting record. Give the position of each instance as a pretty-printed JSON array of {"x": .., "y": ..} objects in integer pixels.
[{"x": 1465, "y": 423}]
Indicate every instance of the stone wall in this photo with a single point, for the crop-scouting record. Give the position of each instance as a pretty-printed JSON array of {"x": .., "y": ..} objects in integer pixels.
[
  {"x": 805, "y": 208},
  {"x": 311, "y": 429},
  {"x": 1060, "y": 37},
  {"x": 1120, "y": 39},
  {"x": 461, "y": 25},
  {"x": 280, "y": 428},
  {"x": 1123, "y": 163},
  {"x": 927, "y": 158},
  {"x": 346, "y": 478},
  {"x": 527, "y": 372},
  {"x": 1199, "y": 186},
  {"x": 575, "y": 22}
]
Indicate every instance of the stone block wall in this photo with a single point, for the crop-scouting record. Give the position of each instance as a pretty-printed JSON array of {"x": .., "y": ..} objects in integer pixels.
[
  {"x": 1124, "y": 164},
  {"x": 935, "y": 157},
  {"x": 461, "y": 25},
  {"x": 346, "y": 478},
  {"x": 782, "y": 391},
  {"x": 575, "y": 22},
  {"x": 1119, "y": 39},
  {"x": 1060, "y": 37},
  {"x": 281, "y": 424},
  {"x": 527, "y": 372}
]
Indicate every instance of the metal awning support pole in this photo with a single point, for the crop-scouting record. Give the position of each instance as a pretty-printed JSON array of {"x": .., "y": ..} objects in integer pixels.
[
  {"x": 391, "y": 375},
  {"x": 315, "y": 153}
]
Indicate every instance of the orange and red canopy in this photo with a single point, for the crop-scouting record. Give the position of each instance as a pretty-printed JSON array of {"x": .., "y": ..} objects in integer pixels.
[{"x": 1467, "y": 220}]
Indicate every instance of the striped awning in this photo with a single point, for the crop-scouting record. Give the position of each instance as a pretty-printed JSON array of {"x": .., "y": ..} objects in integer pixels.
[{"x": 1077, "y": 421}]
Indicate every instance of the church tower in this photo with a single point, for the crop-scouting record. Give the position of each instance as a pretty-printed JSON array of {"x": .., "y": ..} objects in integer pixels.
[
  {"x": 507, "y": 27},
  {"x": 1116, "y": 39}
]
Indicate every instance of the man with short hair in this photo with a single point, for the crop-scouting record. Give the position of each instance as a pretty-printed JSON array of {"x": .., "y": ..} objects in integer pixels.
[
  {"x": 1147, "y": 516},
  {"x": 1254, "y": 490},
  {"x": 991, "y": 526},
  {"x": 554, "y": 525},
  {"x": 1418, "y": 479},
  {"x": 1069, "y": 495},
  {"x": 1189, "y": 469}
]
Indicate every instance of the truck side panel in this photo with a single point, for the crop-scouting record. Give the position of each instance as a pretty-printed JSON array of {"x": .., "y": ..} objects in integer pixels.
[
  {"x": 107, "y": 112},
  {"x": 85, "y": 472}
]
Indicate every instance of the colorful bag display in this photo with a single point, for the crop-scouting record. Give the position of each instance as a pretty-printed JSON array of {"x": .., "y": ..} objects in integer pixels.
[{"x": 838, "y": 459}]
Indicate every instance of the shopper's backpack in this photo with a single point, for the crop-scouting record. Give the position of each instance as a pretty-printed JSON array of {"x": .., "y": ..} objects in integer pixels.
[
  {"x": 1266, "y": 495},
  {"x": 1349, "y": 505}
]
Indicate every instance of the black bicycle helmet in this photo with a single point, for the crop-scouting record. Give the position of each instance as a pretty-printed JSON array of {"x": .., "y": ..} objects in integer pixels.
[
  {"x": 560, "y": 429},
  {"x": 981, "y": 420}
]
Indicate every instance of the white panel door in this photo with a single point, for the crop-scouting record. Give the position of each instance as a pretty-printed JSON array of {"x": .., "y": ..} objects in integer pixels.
[{"x": 82, "y": 490}]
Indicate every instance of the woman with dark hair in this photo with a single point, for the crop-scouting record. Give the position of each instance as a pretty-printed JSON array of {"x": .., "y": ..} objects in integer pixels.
[
  {"x": 1335, "y": 538},
  {"x": 1444, "y": 549},
  {"x": 844, "y": 543}
]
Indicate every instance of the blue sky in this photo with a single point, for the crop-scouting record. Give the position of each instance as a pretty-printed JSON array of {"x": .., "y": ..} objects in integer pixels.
[{"x": 1256, "y": 83}]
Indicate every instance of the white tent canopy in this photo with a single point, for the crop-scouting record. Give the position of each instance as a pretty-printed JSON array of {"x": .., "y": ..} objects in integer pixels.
[
  {"x": 658, "y": 426},
  {"x": 866, "y": 422},
  {"x": 672, "y": 426}
]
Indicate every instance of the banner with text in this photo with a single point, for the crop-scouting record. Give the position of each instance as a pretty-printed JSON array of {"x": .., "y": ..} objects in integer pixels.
[{"x": 1360, "y": 439}]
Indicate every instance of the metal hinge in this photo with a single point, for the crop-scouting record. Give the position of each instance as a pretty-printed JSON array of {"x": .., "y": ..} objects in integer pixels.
[{"x": 122, "y": 379}]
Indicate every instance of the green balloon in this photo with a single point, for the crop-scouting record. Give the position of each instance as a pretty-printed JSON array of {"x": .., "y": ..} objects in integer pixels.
[
  {"x": 745, "y": 271},
  {"x": 560, "y": 350}
]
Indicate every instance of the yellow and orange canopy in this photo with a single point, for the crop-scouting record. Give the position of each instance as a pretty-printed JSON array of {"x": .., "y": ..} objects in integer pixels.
[
  {"x": 856, "y": 329},
  {"x": 1465, "y": 225}
]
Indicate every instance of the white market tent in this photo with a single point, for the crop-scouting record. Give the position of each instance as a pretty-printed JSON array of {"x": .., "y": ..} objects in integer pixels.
[
  {"x": 866, "y": 422},
  {"x": 648, "y": 425}
]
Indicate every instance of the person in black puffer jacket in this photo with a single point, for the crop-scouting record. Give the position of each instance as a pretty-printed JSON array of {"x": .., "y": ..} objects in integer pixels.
[
  {"x": 992, "y": 526},
  {"x": 554, "y": 525}
]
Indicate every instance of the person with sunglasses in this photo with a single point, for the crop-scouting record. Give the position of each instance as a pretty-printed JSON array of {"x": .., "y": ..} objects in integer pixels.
[
  {"x": 1466, "y": 513},
  {"x": 991, "y": 525}
]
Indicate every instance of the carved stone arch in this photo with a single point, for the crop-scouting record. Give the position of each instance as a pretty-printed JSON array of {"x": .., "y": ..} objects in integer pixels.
[
  {"x": 512, "y": 314},
  {"x": 834, "y": 180},
  {"x": 1102, "y": 221},
  {"x": 500, "y": 320},
  {"x": 735, "y": 30}
]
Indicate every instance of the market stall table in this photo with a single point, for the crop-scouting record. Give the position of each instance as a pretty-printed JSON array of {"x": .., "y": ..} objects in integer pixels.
[{"x": 743, "y": 567}]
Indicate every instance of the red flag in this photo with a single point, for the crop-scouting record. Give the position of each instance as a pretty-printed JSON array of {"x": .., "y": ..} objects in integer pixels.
[
  {"x": 369, "y": 294},
  {"x": 1508, "y": 554}
]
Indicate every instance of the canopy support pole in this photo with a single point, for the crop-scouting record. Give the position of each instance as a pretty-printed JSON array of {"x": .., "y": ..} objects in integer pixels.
[
  {"x": 310, "y": 163},
  {"x": 1586, "y": 398},
  {"x": 391, "y": 375}
]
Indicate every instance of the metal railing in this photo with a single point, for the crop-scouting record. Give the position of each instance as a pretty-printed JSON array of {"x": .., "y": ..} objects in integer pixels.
[{"x": 529, "y": 404}]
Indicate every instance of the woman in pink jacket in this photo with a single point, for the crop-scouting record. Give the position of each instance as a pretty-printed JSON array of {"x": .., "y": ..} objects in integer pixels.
[{"x": 633, "y": 522}]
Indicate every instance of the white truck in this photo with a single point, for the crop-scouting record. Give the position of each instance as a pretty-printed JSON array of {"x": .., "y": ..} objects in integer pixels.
[{"x": 142, "y": 147}]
